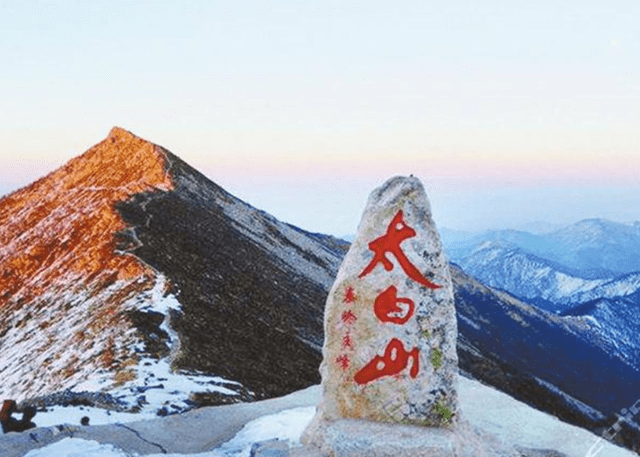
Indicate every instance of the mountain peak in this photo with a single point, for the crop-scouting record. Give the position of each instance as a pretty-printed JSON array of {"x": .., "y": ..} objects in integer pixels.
[
  {"x": 120, "y": 133},
  {"x": 594, "y": 222},
  {"x": 60, "y": 249},
  {"x": 111, "y": 263},
  {"x": 121, "y": 161}
]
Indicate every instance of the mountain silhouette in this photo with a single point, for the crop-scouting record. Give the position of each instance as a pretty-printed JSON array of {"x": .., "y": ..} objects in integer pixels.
[
  {"x": 128, "y": 257},
  {"x": 103, "y": 259}
]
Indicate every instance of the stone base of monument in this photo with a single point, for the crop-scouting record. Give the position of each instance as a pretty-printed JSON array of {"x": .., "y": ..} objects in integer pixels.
[{"x": 359, "y": 438}]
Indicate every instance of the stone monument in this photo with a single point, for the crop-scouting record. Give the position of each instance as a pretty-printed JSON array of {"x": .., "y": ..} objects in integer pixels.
[
  {"x": 390, "y": 367},
  {"x": 390, "y": 325}
]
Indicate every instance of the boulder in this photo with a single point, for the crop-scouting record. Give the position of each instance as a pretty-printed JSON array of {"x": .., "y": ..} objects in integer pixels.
[
  {"x": 390, "y": 328},
  {"x": 389, "y": 369}
]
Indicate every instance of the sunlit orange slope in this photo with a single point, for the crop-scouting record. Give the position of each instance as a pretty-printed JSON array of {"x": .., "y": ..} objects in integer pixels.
[{"x": 61, "y": 276}]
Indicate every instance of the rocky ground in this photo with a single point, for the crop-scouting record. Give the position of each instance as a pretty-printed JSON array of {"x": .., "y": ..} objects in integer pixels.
[{"x": 231, "y": 430}]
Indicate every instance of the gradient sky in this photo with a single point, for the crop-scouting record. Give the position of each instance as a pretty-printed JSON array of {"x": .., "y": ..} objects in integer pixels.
[{"x": 509, "y": 112}]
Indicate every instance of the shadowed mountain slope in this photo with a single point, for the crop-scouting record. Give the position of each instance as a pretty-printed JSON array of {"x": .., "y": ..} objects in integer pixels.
[
  {"x": 557, "y": 364},
  {"x": 128, "y": 255},
  {"x": 252, "y": 289}
]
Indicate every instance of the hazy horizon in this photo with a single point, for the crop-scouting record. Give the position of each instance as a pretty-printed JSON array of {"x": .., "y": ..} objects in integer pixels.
[
  {"x": 507, "y": 200},
  {"x": 508, "y": 113}
]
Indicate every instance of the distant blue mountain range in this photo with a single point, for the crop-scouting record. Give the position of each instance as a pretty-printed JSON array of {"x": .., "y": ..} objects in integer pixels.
[
  {"x": 572, "y": 365},
  {"x": 588, "y": 270},
  {"x": 590, "y": 259},
  {"x": 592, "y": 248},
  {"x": 553, "y": 319}
]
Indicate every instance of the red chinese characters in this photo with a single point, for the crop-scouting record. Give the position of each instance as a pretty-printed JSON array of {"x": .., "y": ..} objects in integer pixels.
[
  {"x": 349, "y": 295},
  {"x": 347, "y": 341},
  {"x": 348, "y": 319},
  {"x": 389, "y": 243},
  {"x": 387, "y": 309},
  {"x": 343, "y": 361},
  {"x": 394, "y": 360}
]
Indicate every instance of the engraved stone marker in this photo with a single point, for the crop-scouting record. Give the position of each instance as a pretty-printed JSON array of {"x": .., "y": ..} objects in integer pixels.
[{"x": 390, "y": 324}]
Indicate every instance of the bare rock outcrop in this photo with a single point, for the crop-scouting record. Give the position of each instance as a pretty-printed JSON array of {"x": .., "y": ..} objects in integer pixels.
[{"x": 389, "y": 370}]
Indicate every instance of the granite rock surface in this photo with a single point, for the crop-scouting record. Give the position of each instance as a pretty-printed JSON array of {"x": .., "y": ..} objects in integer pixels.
[{"x": 390, "y": 328}]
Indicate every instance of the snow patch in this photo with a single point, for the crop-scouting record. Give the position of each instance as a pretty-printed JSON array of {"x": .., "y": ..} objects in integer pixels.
[
  {"x": 469, "y": 322},
  {"x": 592, "y": 320},
  {"x": 285, "y": 425},
  {"x": 75, "y": 447},
  {"x": 156, "y": 385},
  {"x": 159, "y": 301}
]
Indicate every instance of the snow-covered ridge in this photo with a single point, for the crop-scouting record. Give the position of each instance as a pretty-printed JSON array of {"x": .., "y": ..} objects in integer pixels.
[
  {"x": 493, "y": 412},
  {"x": 295, "y": 248},
  {"x": 104, "y": 356},
  {"x": 531, "y": 277},
  {"x": 580, "y": 262},
  {"x": 525, "y": 275},
  {"x": 68, "y": 286},
  {"x": 618, "y": 287},
  {"x": 597, "y": 247},
  {"x": 62, "y": 284}
]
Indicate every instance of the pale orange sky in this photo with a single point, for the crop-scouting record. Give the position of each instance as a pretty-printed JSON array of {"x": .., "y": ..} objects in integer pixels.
[{"x": 507, "y": 112}]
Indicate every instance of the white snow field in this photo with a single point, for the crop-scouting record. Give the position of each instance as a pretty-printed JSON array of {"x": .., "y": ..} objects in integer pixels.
[
  {"x": 286, "y": 425},
  {"x": 484, "y": 407},
  {"x": 160, "y": 386}
]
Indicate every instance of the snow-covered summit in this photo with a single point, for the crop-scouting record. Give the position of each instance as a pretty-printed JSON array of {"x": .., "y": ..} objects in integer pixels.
[{"x": 126, "y": 269}]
